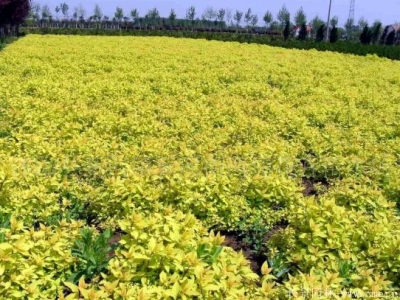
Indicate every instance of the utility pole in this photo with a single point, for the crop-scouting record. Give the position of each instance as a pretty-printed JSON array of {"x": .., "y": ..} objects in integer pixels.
[{"x": 329, "y": 19}]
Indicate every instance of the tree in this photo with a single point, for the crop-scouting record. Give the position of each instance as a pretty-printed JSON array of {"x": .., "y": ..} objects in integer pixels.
[
  {"x": 57, "y": 10},
  {"x": 376, "y": 31},
  {"x": 320, "y": 33},
  {"x": 172, "y": 17},
  {"x": 247, "y": 17},
  {"x": 119, "y": 14},
  {"x": 46, "y": 13},
  {"x": 97, "y": 13},
  {"x": 80, "y": 12},
  {"x": 35, "y": 11},
  {"x": 268, "y": 18},
  {"x": 221, "y": 15},
  {"x": 316, "y": 23},
  {"x": 238, "y": 17},
  {"x": 333, "y": 38},
  {"x": 134, "y": 15},
  {"x": 366, "y": 35},
  {"x": 13, "y": 13},
  {"x": 283, "y": 16},
  {"x": 75, "y": 14},
  {"x": 228, "y": 16},
  {"x": 300, "y": 17},
  {"x": 153, "y": 15},
  {"x": 286, "y": 31},
  {"x": 303, "y": 32},
  {"x": 191, "y": 14},
  {"x": 334, "y": 21},
  {"x": 254, "y": 20},
  {"x": 362, "y": 22},
  {"x": 64, "y": 9},
  {"x": 209, "y": 14}
]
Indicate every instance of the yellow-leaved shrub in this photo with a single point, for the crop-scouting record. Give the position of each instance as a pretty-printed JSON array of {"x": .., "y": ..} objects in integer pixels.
[
  {"x": 35, "y": 262},
  {"x": 171, "y": 255}
]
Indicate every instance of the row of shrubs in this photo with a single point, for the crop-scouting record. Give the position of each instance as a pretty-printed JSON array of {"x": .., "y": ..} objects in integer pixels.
[{"x": 278, "y": 41}]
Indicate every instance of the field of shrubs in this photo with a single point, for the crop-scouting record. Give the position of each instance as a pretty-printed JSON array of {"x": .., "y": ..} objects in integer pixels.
[{"x": 164, "y": 168}]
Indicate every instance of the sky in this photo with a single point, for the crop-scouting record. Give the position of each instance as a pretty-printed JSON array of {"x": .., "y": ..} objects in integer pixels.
[{"x": 387, "y": 11}]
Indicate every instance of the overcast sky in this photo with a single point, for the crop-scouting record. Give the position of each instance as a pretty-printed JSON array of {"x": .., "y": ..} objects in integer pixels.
[{"x": 388, "y": 11}]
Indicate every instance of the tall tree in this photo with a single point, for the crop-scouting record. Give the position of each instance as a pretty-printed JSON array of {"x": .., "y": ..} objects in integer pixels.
[
  {"x": 209, "y": 14},
  {"x": 286, "y": 31},
  {"x": 334, "y": 36},
  {"x": 366, "y": 35},
  {"x": 46, "y": 13},
  {"x": 300, "y": 17},
  {"x": 268, "y": 18},
  {"x": 228, "y": 16},
  {"x": 97, "y": 13},
  {"x": 153, "y": 15},
  {"x": 248, "y": 16},
  {"x": 254, "y": 20},
  {"x": 238, "y": 17},
  {"x": 64, "y": 9},
  {"x": 376, "y": 31},
  {"x": 362, "y": 22},
  {"x": 119, "y": 14},
  {"x": 35, "y": 11},
  {"x": 134, "y": 15},
  {"x": 221, "y": 15},
  {"x": 316, "y": 23},
  {"x": 191, "y": 14},
  {"x": 303, "y": 32},
  {"x": 283, "y": 16},
  {"x": 335, "y": 21},
  {"x": 57, "y": 10},
  {"x": 81, "y": 12},
  {"x": 320, "y": 33},
  {"x": 172, "y": 17}
]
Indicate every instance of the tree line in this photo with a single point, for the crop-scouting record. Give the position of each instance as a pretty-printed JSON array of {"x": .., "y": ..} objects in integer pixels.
[{"x": 63, "y": 16}]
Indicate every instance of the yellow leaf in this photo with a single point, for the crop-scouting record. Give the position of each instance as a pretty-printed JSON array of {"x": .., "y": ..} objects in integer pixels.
[
  {"x": 72, "y": 287},
  {"x": 264, "y": 269},
  {"x": 15, "y": 224},
  {"x": 211, "y": 287},
  {"x": 163, "y": 277},
  {"x": 82, "y": 284}
]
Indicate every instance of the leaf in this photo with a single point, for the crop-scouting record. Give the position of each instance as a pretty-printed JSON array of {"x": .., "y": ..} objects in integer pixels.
[
  {"x": 140, "y": 256},
  {"x": 264, "y": 269},
  {"x": 163, "y": 277},
  {"x": 211, "y": 287},
  {"x": 152, "y": 244},
  {"x": 74, "y": 289}
]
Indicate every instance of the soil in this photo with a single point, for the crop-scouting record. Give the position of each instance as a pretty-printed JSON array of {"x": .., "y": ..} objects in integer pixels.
[
  {"x": 234, "y": 240},
  {"x": 114, "y": 243},
  {"x": 309, "y": 186}
]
